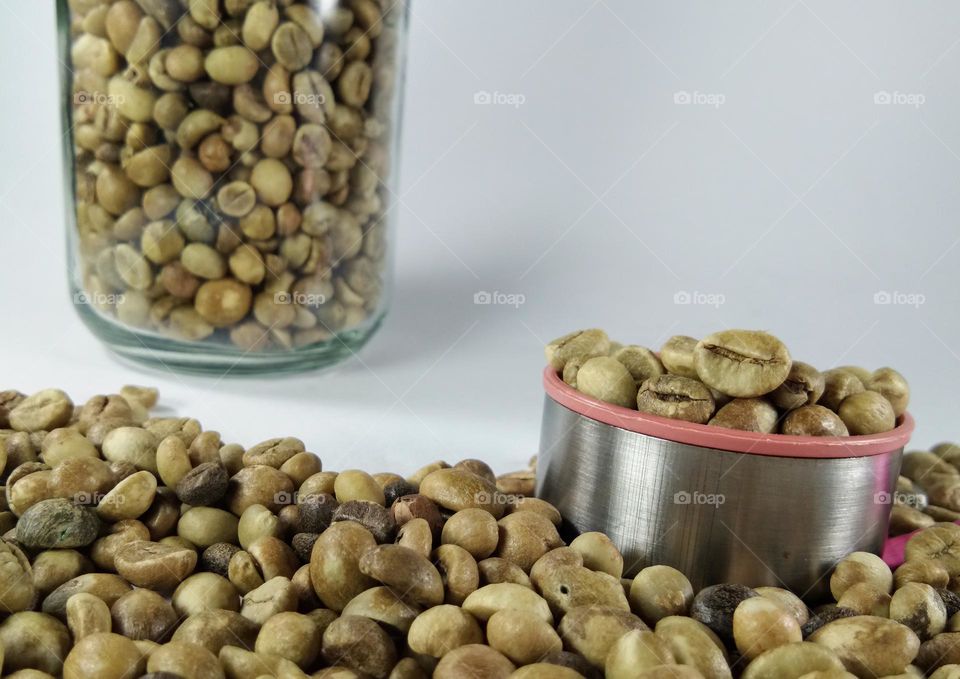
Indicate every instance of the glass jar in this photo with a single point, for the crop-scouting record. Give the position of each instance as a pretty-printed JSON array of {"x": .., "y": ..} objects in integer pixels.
[{"x": 230, "y": 166}]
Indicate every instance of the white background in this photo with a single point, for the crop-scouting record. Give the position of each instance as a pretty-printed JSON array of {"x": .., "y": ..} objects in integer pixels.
[{"x": 783, "y": 190}]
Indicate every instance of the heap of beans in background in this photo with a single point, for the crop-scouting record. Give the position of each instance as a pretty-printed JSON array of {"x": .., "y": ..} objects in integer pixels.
[
  {"x": 738, "y": 379},
  {"x": 229, "y": 158},
  {"x": 146, "y": 546},
  {"x": 928, "y": 489}
]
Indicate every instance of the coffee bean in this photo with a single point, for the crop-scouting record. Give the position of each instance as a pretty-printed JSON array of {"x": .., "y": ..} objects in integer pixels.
[
  {"x": 742, "y": 363},
  {"x": 216, "y": 557},
  {"x": 679, "y": 398},
  {"x": 204, "y": 485},
  {"x": 747, "y": 414},
  {"x": 395, "y": 490},
  {"x": 813, "y": 420},
  {"x": 714, "y": 607},
  {"x": 824, "y": 617},
  {"x": 57, "y": 524},
  {"x": 607, "y": 379},
  {"x": 20, "y": 593},
  {"x": 42, "y": 411},
  {"x": 583, "y": 343},
  {"x": 803, "y": 386},
  {"x": 154, "y": 565},
  {"x": 316, "y": 512},
  {"x": 867, "y": 413},
  {"x": 302, "y": 544}
]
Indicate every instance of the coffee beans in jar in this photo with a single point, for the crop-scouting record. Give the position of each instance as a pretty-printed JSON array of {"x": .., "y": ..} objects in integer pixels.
[
  {"x": 231, "y": 562},
  {"x": 736, "y": 379},
  {"x": 231, "y": 166}
]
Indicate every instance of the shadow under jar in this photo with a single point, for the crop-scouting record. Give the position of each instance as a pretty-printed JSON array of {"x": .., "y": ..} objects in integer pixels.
[{"x": 230, "y": 166}]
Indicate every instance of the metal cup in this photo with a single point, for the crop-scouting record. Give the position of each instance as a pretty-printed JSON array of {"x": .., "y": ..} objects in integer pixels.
[{"x": 717, "y": 504}]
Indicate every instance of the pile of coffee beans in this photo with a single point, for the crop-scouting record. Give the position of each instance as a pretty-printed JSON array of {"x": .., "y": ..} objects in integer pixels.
[
  {"x": 229, "y": 164},
  {"x": 928, "y": 490},
  {"x": 138, "y": 546},
  {"x": 738, "y": 379}
]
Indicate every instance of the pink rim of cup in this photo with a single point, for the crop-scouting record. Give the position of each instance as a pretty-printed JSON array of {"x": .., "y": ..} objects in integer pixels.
[{"x": 732, "y": 440}]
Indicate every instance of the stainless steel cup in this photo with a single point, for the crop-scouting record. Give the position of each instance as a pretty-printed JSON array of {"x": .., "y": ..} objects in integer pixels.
[{"x": 719, "y": 505}]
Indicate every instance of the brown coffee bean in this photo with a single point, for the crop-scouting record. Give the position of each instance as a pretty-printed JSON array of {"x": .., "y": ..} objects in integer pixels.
[{"x": 204, "y": 485}]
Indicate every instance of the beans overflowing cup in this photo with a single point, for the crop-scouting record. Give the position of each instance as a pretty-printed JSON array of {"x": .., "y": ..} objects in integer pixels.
[{"x": 737, "y": 379}]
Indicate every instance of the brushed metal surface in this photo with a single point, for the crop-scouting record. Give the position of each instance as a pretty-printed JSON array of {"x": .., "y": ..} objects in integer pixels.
[{"x": 715, "y": 515}]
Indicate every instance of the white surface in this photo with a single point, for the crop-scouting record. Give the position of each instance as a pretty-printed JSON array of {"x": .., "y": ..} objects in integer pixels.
[{"x": 598, "y": 199}]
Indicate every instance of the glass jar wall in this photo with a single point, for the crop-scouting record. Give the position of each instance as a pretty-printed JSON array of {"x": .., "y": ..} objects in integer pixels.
[{"x": 230, "y": 166}]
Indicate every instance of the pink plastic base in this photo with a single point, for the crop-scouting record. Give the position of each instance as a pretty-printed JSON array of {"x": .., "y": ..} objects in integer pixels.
[
  {"x": 893, "y": 549},
  {"x": 706, "y": 436}
]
